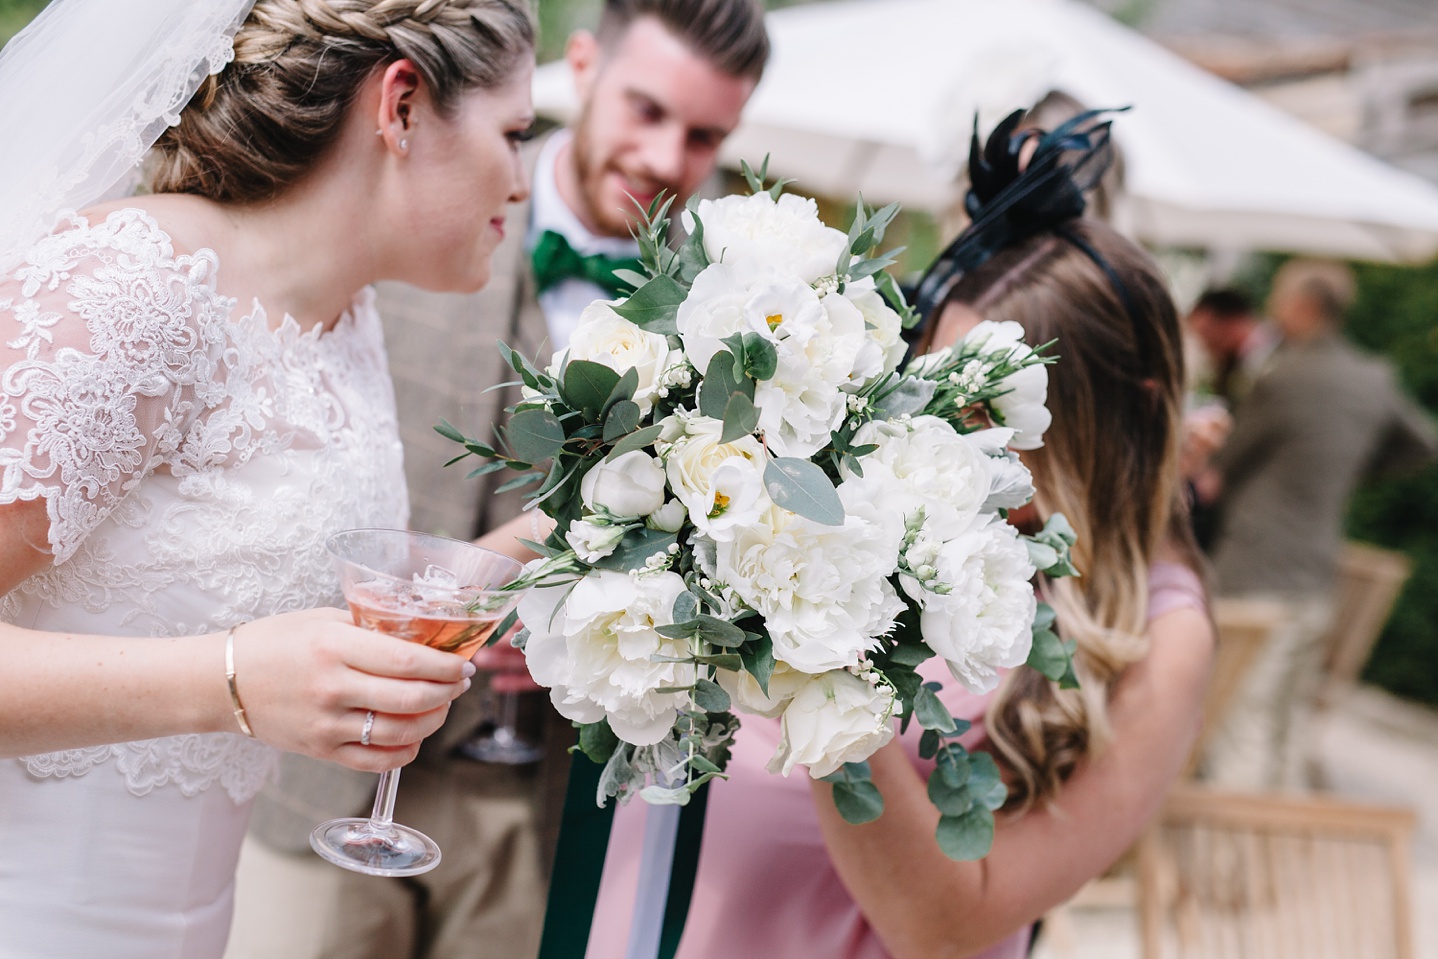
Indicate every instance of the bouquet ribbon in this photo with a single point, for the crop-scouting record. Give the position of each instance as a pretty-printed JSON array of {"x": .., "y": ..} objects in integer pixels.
[{"x": 579, "y": 867}]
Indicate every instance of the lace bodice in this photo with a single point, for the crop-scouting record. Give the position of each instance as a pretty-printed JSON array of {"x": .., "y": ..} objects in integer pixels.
[{"x": 192, "y": 463}]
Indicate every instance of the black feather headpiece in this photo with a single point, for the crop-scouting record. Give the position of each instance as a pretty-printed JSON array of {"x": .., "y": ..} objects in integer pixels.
[{"x": 1009, "y": 201}]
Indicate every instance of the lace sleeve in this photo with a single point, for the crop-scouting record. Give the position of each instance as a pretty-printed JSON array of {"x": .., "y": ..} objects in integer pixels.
[{"x": 109, "y": 345}]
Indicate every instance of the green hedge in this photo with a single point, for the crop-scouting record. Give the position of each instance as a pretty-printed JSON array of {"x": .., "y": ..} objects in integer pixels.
[{"x": 1397, "y": 315}]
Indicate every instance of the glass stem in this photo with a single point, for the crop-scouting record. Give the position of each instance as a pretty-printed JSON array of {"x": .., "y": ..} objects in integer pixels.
[
  {"x": 511, "y": 711},
  {"x": 383, "y": 812}
]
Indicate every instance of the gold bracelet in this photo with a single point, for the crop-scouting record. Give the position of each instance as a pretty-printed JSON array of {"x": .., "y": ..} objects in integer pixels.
[{"x": 239, "y": 707}]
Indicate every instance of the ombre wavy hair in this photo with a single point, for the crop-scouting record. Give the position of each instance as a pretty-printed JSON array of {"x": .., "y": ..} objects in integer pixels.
[{"x": 1109, "y": 463}]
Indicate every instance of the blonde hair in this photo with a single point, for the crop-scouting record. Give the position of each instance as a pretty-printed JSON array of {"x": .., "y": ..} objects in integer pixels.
[
  {"x": 1109, "y": 463},
  {"x": 257, "y": 127}
]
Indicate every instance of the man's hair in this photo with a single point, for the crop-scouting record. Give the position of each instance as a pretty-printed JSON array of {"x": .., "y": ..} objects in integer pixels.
[
  {"x": 1225, "y": 303},
  {"x": 728, "y": 33},
  {"x": 1329, "y": 284}
]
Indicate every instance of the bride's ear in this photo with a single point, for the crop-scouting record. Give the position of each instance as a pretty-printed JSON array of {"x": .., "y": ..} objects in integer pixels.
[{"x": 398, "y": 92}]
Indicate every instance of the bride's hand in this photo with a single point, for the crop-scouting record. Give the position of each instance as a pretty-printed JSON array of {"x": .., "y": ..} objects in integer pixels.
[{"x": 307, "y": 680}]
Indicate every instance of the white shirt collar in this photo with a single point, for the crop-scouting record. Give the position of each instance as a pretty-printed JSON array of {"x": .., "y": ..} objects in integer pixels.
[{"x": 548, "y": 211}]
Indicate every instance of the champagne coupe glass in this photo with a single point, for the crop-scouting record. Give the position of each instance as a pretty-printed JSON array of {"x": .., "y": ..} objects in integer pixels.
[{"x": 426, "y": 589}]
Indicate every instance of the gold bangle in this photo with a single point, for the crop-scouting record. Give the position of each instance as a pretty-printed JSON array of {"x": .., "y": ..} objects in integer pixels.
[{"x": 238, "y": 706}]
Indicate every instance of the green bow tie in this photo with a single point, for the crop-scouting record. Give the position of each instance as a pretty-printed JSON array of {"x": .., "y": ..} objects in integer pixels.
[{"x": 555, "y": 260}]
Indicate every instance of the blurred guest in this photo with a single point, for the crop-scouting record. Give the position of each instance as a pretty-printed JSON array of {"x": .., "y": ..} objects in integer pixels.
[
  {"x": 660, "y": 85},
  {"x": 1320, "y": 417},
  {"x": 1237, "y": 341}
]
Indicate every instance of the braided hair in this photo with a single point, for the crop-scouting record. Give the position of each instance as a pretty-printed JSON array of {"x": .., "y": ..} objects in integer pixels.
[{"x": 258, "y": 126}]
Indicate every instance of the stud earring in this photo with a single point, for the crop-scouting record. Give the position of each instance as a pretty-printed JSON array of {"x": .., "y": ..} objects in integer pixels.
[{"x": 403, "y": 145}]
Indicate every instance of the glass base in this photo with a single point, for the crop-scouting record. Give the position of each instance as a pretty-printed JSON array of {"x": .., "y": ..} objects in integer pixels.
[
  {"x": 498, "y": 748},
  {"x": 362, "y": 845}
]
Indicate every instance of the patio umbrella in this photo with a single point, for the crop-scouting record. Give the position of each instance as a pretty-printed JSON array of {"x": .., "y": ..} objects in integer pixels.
[{"x": 878, "y": 97}]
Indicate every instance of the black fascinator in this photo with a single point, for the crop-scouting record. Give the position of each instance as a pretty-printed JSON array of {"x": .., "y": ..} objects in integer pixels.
[{"x": 1009, "y": 201}]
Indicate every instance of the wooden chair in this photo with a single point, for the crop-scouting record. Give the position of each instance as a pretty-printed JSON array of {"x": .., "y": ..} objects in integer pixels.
[
  {"x": 1244, "y": 626},
  {"x": 1246, "y": 876},
  {"x": 1369, "y": 581}
]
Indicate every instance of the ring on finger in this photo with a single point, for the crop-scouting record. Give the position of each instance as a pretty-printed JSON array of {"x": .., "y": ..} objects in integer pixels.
[{"x": 368, "y": 727}]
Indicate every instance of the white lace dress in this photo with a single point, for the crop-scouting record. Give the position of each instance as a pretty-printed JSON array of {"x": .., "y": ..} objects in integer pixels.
[{"x": 193, "y": 463}]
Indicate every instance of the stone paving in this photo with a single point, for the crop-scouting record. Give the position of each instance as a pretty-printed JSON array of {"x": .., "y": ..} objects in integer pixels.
[{"x": 1374, "y": 748}]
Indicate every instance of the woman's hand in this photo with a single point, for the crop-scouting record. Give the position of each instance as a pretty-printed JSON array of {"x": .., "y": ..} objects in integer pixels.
[{"x": 307, "y": 680}]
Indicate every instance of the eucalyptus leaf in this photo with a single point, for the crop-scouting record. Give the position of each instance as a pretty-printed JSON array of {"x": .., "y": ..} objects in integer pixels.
[
  {"x": 909, "y": 398},
  {"x": 637, "y": 440},
  {"x": 622, "y": 420},
  {"x": 802, "y": 487},
  {"x": 719, "y": 384},
  {"x": 587, "y": 385},
  {"x": 1048, "y": 654},
  {"x": 597, "y": 741},
  {"x": 447, "y": 430},
  {"x": 686, "y": 607},
  {"x": 730, "y": 661},
  {"x": 623, "y": 390},
  {"x": 985, "y": 782},
  {"x": 910, "y": 654},
  {"x": 741, "y": 418},
  {"x": 635, "y": 549},
  {"x": 710, "y": 696},
  {"x": 654, "y": 305},
  {"x": 535, "y": 435},
  {"x": 519, "y": 482},
  {"x": 949, "y": 800},
  {"x": 968, "y": 837},
  {"x": 858, "y": 802},
  {"x": 932, "y": 713},
  {"x": 761, "y": 356},
  {"x": 758, "y": 658},
  {"x": 929, "y": 742},
  {"x": 634, "y": 279},
  {"x": 717, "y": 632}
]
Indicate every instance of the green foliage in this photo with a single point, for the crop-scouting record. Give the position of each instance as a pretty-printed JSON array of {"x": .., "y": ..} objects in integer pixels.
[
  {"x": 1397, "y": 315},
  {"x": 14, "y": 14}
]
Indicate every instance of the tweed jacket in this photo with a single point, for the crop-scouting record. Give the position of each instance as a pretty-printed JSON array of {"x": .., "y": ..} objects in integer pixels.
[{"x": 1321, "y": 417}]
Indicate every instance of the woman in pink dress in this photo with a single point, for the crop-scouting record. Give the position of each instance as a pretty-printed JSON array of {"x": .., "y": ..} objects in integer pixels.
[{"x": 781, "y": 874}]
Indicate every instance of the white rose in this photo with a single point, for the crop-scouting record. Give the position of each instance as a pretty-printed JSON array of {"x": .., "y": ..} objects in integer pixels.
[
  {"x": 629, "y": 485},
  {"x": 924, "y": 464},
  {"x": 721, "y": 484},
  {"x": 804, "y": 401},
  {"x": 1022, "y": 406},
  {"x": 833, "y": 719},
  {"x": 744, "y": 689},
  {"x": 596, "y": 649},
  {"x": 824, "y": 591},
  {"x": 986, "y": 623},
  {"x": 885, "y": 347},
  {"x": 592, "y": 542},
  {"x": 784, "y": 236},
  {"x": 605, "y": 337}
]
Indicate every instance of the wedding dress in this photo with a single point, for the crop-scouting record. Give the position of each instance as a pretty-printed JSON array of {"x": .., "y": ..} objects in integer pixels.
[{"x": 193, "y": 461}]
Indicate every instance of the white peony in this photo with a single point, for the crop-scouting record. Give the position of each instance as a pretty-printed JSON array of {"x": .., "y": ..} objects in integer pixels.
[
  {"x": 718, "y": 306},
  {"x": 630, "y": 485},
  {"x": 804, "y": 401},
  {"x": 592, "y": 542},
  {"x": 605, "y": 337},
  {"x": 824, "y": 591},
  {"x": 595, "y": 651},
  {"x": 784, "y": 236},
  {"x": 1022, "y": 406},
  {"x": 721, "y": 484},
  {"x": 924, "y": 464},
  {"x": 744, "y": 689},
  {"x": 833, "y": 719},
  {"x": 985, "y": 624},
  {"x": 885, "y": 346}
]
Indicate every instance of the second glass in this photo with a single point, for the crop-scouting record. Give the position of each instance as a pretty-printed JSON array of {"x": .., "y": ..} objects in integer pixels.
[{"x": 425, "y": 589}]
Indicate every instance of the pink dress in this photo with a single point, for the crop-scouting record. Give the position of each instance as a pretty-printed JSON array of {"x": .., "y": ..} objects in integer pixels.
[{"x": 765, "y": 886}]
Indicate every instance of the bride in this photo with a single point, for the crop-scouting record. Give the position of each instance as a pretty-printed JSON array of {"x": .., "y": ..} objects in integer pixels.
[{"x": 193, "y": 397}]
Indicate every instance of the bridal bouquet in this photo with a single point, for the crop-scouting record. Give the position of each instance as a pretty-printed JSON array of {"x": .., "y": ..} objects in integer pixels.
[{"x": 758, "y": 512}]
